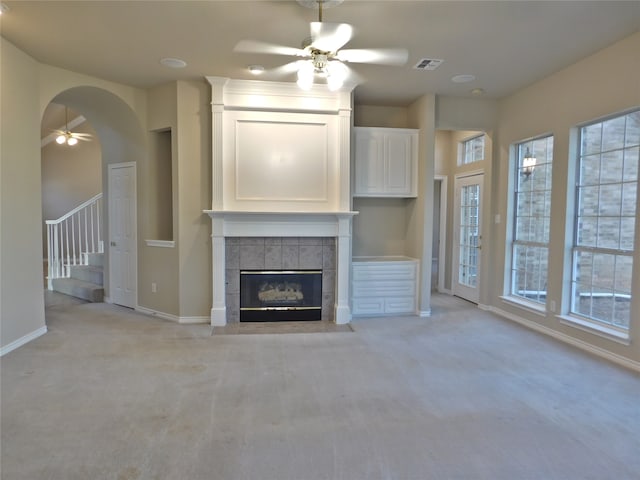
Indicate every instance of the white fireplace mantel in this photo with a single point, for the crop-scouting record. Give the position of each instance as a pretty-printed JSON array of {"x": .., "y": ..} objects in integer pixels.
[{"x": 281, "y": 224}]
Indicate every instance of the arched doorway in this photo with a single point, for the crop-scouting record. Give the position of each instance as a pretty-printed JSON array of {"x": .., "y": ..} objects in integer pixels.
[{"x": 120, "y": 140}]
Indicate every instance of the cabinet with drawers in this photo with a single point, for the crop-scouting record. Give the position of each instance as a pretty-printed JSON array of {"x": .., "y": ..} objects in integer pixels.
[{"x": 384, "y": 285}]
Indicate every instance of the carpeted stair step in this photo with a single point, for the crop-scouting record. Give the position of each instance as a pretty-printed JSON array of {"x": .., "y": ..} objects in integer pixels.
[
  {"x": 87, "y": 273},
  {"x": 95, "y": 259},
  {"x": 78, "y": 288}
]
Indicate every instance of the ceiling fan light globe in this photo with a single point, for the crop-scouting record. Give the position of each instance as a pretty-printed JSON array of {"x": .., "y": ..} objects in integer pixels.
[
  {"x": 61, "y": 139},
  {"x": 334, "y": 82},
  {"x": 71, "y": 141},
  {"x": 305, "y": 84}
]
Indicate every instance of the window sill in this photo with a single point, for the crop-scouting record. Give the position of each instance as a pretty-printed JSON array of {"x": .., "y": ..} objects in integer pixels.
[
  {"x": 532, "y": 307},
  {"x": 595, "y": 329},
  {"x": 161, "y": 243}
]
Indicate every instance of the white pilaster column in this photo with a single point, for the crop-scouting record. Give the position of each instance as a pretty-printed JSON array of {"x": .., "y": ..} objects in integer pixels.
[
  {"x": 217, "y": 111},
  {"x": 343, "y": 272},
  {"x": 344, "y": 136},
  {"x": 219, "y": 304}
]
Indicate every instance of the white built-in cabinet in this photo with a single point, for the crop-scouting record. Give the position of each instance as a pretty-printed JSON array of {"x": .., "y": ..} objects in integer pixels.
[
  {"x": 384, "y": 285},
  {"x": 386, "y": 162}
]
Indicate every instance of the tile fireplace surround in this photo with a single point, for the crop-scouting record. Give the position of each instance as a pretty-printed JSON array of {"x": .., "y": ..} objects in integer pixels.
[
  {"x": 279, "y": 253},
  {"x": 280, "y": 240}
]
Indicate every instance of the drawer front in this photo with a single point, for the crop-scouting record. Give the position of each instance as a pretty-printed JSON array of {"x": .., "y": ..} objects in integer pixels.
[
  {"x": 400, "y": 305},
  {"x": 368, "y": 306},
  {"x": 386, "y": 288},
  {"x": 391, "y": 271}
]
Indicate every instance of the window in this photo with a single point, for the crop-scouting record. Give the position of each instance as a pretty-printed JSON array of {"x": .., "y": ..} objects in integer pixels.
[
  {"x": 531, "y": 215},
  {"x": 472, "y": 150},
  {"x": 605, "y": 220}
]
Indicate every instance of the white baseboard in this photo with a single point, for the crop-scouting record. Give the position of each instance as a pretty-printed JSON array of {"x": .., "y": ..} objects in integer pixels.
[
  {"x": 23, "y": 340},
  {"x": 424, "y": 313},
  {"x": 171, "y": 317},
  {"x": 600, "y": 352},
  {"x": 194, "y": 320}
]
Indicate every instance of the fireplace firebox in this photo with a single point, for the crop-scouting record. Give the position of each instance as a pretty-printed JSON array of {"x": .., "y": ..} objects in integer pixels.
[{"x": 280, "y": 295}]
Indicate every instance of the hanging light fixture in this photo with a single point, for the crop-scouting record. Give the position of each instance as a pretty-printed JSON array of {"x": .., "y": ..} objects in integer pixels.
[
  {"x": 66, "y": 136},
  {"x": 528, "y": 163},
  {"x": 334, "y": 72}
]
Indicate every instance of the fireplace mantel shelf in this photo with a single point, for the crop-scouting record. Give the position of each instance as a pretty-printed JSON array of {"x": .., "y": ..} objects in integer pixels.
[
  {"x": 228, "y": 223},
  {"x": 282, "y": 213}
]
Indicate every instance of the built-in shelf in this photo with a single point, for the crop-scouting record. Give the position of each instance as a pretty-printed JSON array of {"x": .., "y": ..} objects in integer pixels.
[{"x": 161, "y": 243}]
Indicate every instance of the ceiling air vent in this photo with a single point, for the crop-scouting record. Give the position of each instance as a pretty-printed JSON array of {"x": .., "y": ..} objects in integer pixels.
[{"x": 428, "y": 64}]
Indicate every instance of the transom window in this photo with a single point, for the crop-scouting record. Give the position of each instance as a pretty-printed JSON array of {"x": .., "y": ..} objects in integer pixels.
[
  {"x": 604, "y": 229},
  {"x": 472, "y": 150},
  {"x": 531, "y": 219}
]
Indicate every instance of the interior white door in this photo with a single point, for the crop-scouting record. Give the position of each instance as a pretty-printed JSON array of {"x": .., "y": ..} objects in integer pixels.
[
  {"x": 467, "y": 237},
  {"x": 122, "y": 234}
]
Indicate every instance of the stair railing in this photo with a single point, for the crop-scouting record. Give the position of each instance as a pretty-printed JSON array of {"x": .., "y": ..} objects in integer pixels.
[{"x": 72, "y": 237}]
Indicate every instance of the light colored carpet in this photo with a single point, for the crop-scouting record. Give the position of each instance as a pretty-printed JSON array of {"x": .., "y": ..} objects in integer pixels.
[{"x": 112, "y": 394}]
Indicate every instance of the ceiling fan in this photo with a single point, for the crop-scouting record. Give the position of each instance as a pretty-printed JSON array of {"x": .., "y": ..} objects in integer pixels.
[
  {"x": 322, "y": 51},
  {"x": 67, "y": 136}
]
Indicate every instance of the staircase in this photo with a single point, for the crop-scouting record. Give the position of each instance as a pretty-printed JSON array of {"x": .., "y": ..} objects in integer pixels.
[
  {"x": 85, "y": 281},
  {"x": 75, "y": 252}
]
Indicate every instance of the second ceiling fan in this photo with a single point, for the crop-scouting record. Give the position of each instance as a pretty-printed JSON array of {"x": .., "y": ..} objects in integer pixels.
[{"x": 322, "y": 53}]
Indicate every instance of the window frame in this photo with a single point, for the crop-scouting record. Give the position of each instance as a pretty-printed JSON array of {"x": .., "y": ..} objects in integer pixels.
[
  {"x": 579, "y": 318},
  {"x": 462, "y": 156},
  {"x": 519, "y": 150}
]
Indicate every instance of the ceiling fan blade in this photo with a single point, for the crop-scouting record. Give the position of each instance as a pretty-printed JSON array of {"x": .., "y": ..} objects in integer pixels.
[
  {"x": 382, "y": 56},
  {"x": 253, "y": 46},
  {"x": 330, "y": 37},
  {"x": 287, "y": 68}
]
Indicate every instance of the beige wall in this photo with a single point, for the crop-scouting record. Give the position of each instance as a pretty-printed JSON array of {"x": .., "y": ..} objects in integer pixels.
[
  {"x": 159, "y": 265},
  {"x": 21, "y": 278},
  {"x": 602, "y": 84},
  {"x": 194, "y": 196},
  {"x": 380, "y": 228},
  {"x": 378, "y": 116},
  {"x": 422, "y": 115}
]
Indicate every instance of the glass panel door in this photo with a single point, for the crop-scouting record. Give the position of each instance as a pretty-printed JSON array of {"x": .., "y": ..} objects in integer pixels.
[{"x": 468, "y": 237}]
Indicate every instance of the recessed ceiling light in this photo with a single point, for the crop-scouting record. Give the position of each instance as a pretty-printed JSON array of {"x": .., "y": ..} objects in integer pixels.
[
  {"x": 4, "y": 8},
  {"x": 173, "y": 62},
  {"x": 465, "y": 78},
  {"x": 256, "y": 69},
  {"x": 477, "y": 92}
]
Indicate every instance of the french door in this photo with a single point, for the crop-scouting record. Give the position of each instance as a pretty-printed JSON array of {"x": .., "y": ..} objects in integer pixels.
[{"x": 467, "y": 237}]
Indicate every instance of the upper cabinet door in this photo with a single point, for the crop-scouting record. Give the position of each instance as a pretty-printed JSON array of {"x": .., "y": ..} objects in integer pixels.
[
  {"x": 386, "y": 162},
  {"x": 369, "y": 165}
]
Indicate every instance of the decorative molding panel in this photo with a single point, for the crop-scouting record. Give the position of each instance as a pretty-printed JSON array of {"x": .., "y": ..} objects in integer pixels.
[{"x": 282, "y": 161}]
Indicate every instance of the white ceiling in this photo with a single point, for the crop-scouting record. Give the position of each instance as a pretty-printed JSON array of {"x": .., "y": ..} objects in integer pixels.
[{"x": 505, "y": 44}]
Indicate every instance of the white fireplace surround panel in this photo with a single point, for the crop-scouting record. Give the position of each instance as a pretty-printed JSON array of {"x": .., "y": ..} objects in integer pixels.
[
  {"x": 281, "y": 161},
  {"x": 288, "y": 162}
]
